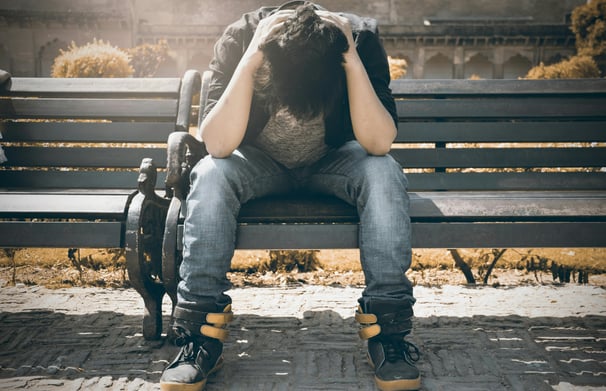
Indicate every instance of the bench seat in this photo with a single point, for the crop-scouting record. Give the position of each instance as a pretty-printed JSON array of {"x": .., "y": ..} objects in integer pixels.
[
  {"x": 73, "y": 149},
  {"x": 64, "y": 218},
  {"x": 490, "y": 164},
  {"x": 77, "y": 154},
  {"x": 440, "y": 220}
]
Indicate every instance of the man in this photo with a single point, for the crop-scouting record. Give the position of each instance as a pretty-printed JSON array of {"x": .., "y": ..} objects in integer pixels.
[{"x": 299, "y": 101}]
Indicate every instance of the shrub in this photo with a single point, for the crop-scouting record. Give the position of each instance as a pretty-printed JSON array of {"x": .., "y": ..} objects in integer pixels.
[
  {"x": 147, "y": 58},
  {"x": 289, "y": 260},
  {"x": 94, "y": 59},
  {"x": 576, "y": 67},
  {"x": 397, "y": 67},
  {"x": 588, "y": 23}
]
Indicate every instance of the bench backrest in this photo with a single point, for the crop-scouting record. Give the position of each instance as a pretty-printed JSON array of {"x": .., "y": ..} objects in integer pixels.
[
  {"x": 88, "y": 133},
  {"x": 483, "y": 134}
]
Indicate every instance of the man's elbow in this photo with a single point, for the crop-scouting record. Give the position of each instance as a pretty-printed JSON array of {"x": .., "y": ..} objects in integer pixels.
[
  {"x": 379, "y": 145},
  {"x": 376, "y": 147},
  {"x": 379, "y": 150},
  {"x": 218, "y": 151}
]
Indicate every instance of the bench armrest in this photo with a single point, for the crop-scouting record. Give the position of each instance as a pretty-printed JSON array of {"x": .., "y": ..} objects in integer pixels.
[
  {"x": 5, "y": 77},
  {"x": 184, "y": 151},
  {"x": 190, "y": 87}
]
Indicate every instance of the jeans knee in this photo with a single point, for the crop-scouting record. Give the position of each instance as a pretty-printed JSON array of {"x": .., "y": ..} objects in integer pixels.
[
  {"x": 214, "y": 185},
  {"x": 383, "y": 172},
  {"x": 209, "y": 170}
]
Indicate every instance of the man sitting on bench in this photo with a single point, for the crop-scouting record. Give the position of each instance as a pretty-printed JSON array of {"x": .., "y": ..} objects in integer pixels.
[{"x": 299, "y": 101}]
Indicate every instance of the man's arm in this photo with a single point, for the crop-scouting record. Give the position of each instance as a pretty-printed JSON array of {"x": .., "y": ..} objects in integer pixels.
[
  {"x": 224, "y": 127},
  {"x": 373, "y": 126}
]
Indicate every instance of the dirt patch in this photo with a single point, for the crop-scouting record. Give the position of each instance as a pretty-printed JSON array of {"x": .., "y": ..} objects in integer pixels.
[
  {"x": 435, "y": 267},
  {"x": 56, "y": 268}
]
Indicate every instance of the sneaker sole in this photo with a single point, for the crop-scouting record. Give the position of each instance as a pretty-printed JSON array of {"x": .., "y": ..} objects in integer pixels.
[
  {"x": 183, "y": 387},
  {"x": 395, "y": 385},
  {"x": 398, "y": 385},
  {"x": 166, "y": 386}
]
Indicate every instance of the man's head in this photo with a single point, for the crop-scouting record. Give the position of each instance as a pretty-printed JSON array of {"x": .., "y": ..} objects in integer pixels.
[{"x": 303, "y": 70}]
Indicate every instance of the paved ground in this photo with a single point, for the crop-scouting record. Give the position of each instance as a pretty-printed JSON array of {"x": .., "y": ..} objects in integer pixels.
[{"x": 304, "y": 338}]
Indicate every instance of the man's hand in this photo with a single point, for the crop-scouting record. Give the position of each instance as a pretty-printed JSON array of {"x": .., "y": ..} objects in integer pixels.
[
  {"x": 343, "y": 24},
  {"x": 266, "y": 28},
  {"x": 372, "y": 125},
  {"x": 224, "y": 127}
]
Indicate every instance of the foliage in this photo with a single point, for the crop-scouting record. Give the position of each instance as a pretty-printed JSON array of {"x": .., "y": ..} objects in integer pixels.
[
  {"x": 588, "y": 23},
  {"x": 147, "y": 58},
  {"x": 589, "y": 27},
  {"x": 289, "y": 260},
  {"x": 576, "y": 67},
  {"x": 397, "y": 67},
  {"x": 94, "y": 59}
]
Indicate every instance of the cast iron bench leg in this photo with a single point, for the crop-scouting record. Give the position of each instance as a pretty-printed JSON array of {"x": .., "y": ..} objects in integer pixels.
[{"x": 144, "y": 231}]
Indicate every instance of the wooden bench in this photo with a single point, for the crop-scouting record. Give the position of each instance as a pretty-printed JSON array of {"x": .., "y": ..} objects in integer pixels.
[
  {"x": 491, "y": 164},
  {"x": 74, "y": 147}
]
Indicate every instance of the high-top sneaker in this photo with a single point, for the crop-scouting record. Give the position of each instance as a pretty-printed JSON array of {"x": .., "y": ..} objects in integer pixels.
[
  {"x": 200, "y": 335},
  {"x": 384, "y": 326}
]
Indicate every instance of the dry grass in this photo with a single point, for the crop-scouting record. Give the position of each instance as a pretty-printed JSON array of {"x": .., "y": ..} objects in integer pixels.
[{"x": 107, "y": 268}]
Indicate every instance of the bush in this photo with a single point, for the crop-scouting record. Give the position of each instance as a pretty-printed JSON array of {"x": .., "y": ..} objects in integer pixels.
[
  {"x": 589, "y": 27},
  {"x": 397, "y": 67},
  {"x": 147, "y": 58},
  {"x": 577, "y": 67},
  {"x": 289, "y": 260},
  {"x": 96, "y": 59}
]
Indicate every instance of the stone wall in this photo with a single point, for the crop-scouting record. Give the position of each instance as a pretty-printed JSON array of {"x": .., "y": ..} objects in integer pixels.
[
  {"x": 445, "y": 39},
  {"x": 409, "y": 12}
]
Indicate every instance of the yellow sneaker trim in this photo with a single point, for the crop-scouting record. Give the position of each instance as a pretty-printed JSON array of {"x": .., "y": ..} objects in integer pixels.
[
  {"x": 214, "y": 332},
  {"x": 370, "y": 331}
]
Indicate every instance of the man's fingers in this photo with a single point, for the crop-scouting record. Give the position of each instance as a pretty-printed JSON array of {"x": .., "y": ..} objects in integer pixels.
[
  {"x": 278, "y": 17},
  {"x": 333, "y": 18},
  {"x": 274, "y": 29},
  {"x": 340, "y": 21}
]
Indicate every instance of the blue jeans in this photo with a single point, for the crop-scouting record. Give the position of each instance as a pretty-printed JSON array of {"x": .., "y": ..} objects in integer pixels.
[{"x": 376, "y": 185}]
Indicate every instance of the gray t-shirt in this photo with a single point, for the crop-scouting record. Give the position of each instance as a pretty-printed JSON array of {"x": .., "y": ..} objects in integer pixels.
[{"x": 291, "y": 142}]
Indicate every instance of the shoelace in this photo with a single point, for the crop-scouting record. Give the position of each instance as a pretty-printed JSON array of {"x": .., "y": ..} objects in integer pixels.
[
  {"x": 189, "y": 347},
  {"x": 399, "y": 349}
]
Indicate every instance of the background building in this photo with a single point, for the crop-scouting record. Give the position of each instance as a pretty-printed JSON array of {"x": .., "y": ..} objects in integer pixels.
[{"x": 438, "y": 38}]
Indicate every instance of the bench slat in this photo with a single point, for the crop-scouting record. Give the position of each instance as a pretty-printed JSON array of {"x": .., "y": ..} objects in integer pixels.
[
  {"x": 507, "y": 206},
  {"x": 435, "y": 206},
  {"x": 299, "y": 236},
  {"x": 297, "y": 208},
  {"x": 122, "y": 132},
  {"x": 499, "y": 158},
  {"x": 64, "y": 205},
  {"x": 492, "y": 88},
  {"x": 64, "y": 234},
  {"x": 504, "y": 235},
  {"x": 491, "y": 132},
  {"x": 507, "y": 181},
  {"x": 502, "y": 108},
  {"x": 428, "y": 235},
  {"x": 36, "y": 86},
  {"x": 73, "y": 179},
  {"x": 158, "y": 109},
  {"x": 82, "y": 157}
]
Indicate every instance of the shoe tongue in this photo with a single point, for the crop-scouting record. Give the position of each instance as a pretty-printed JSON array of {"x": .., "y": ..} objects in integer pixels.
[
  {"x": 397, "y": 348},
  {"x": 183, "y": 335}
]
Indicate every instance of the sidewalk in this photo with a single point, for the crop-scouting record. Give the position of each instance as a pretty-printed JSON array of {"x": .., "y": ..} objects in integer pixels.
[{"x": 305, "y": 338}]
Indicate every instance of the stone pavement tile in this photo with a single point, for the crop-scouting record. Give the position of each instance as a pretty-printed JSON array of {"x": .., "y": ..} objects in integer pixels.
[{"x": 305, "y": 338}]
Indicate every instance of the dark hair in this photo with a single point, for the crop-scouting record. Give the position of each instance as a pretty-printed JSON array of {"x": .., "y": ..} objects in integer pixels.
[{"x": 303, "y": 71}]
